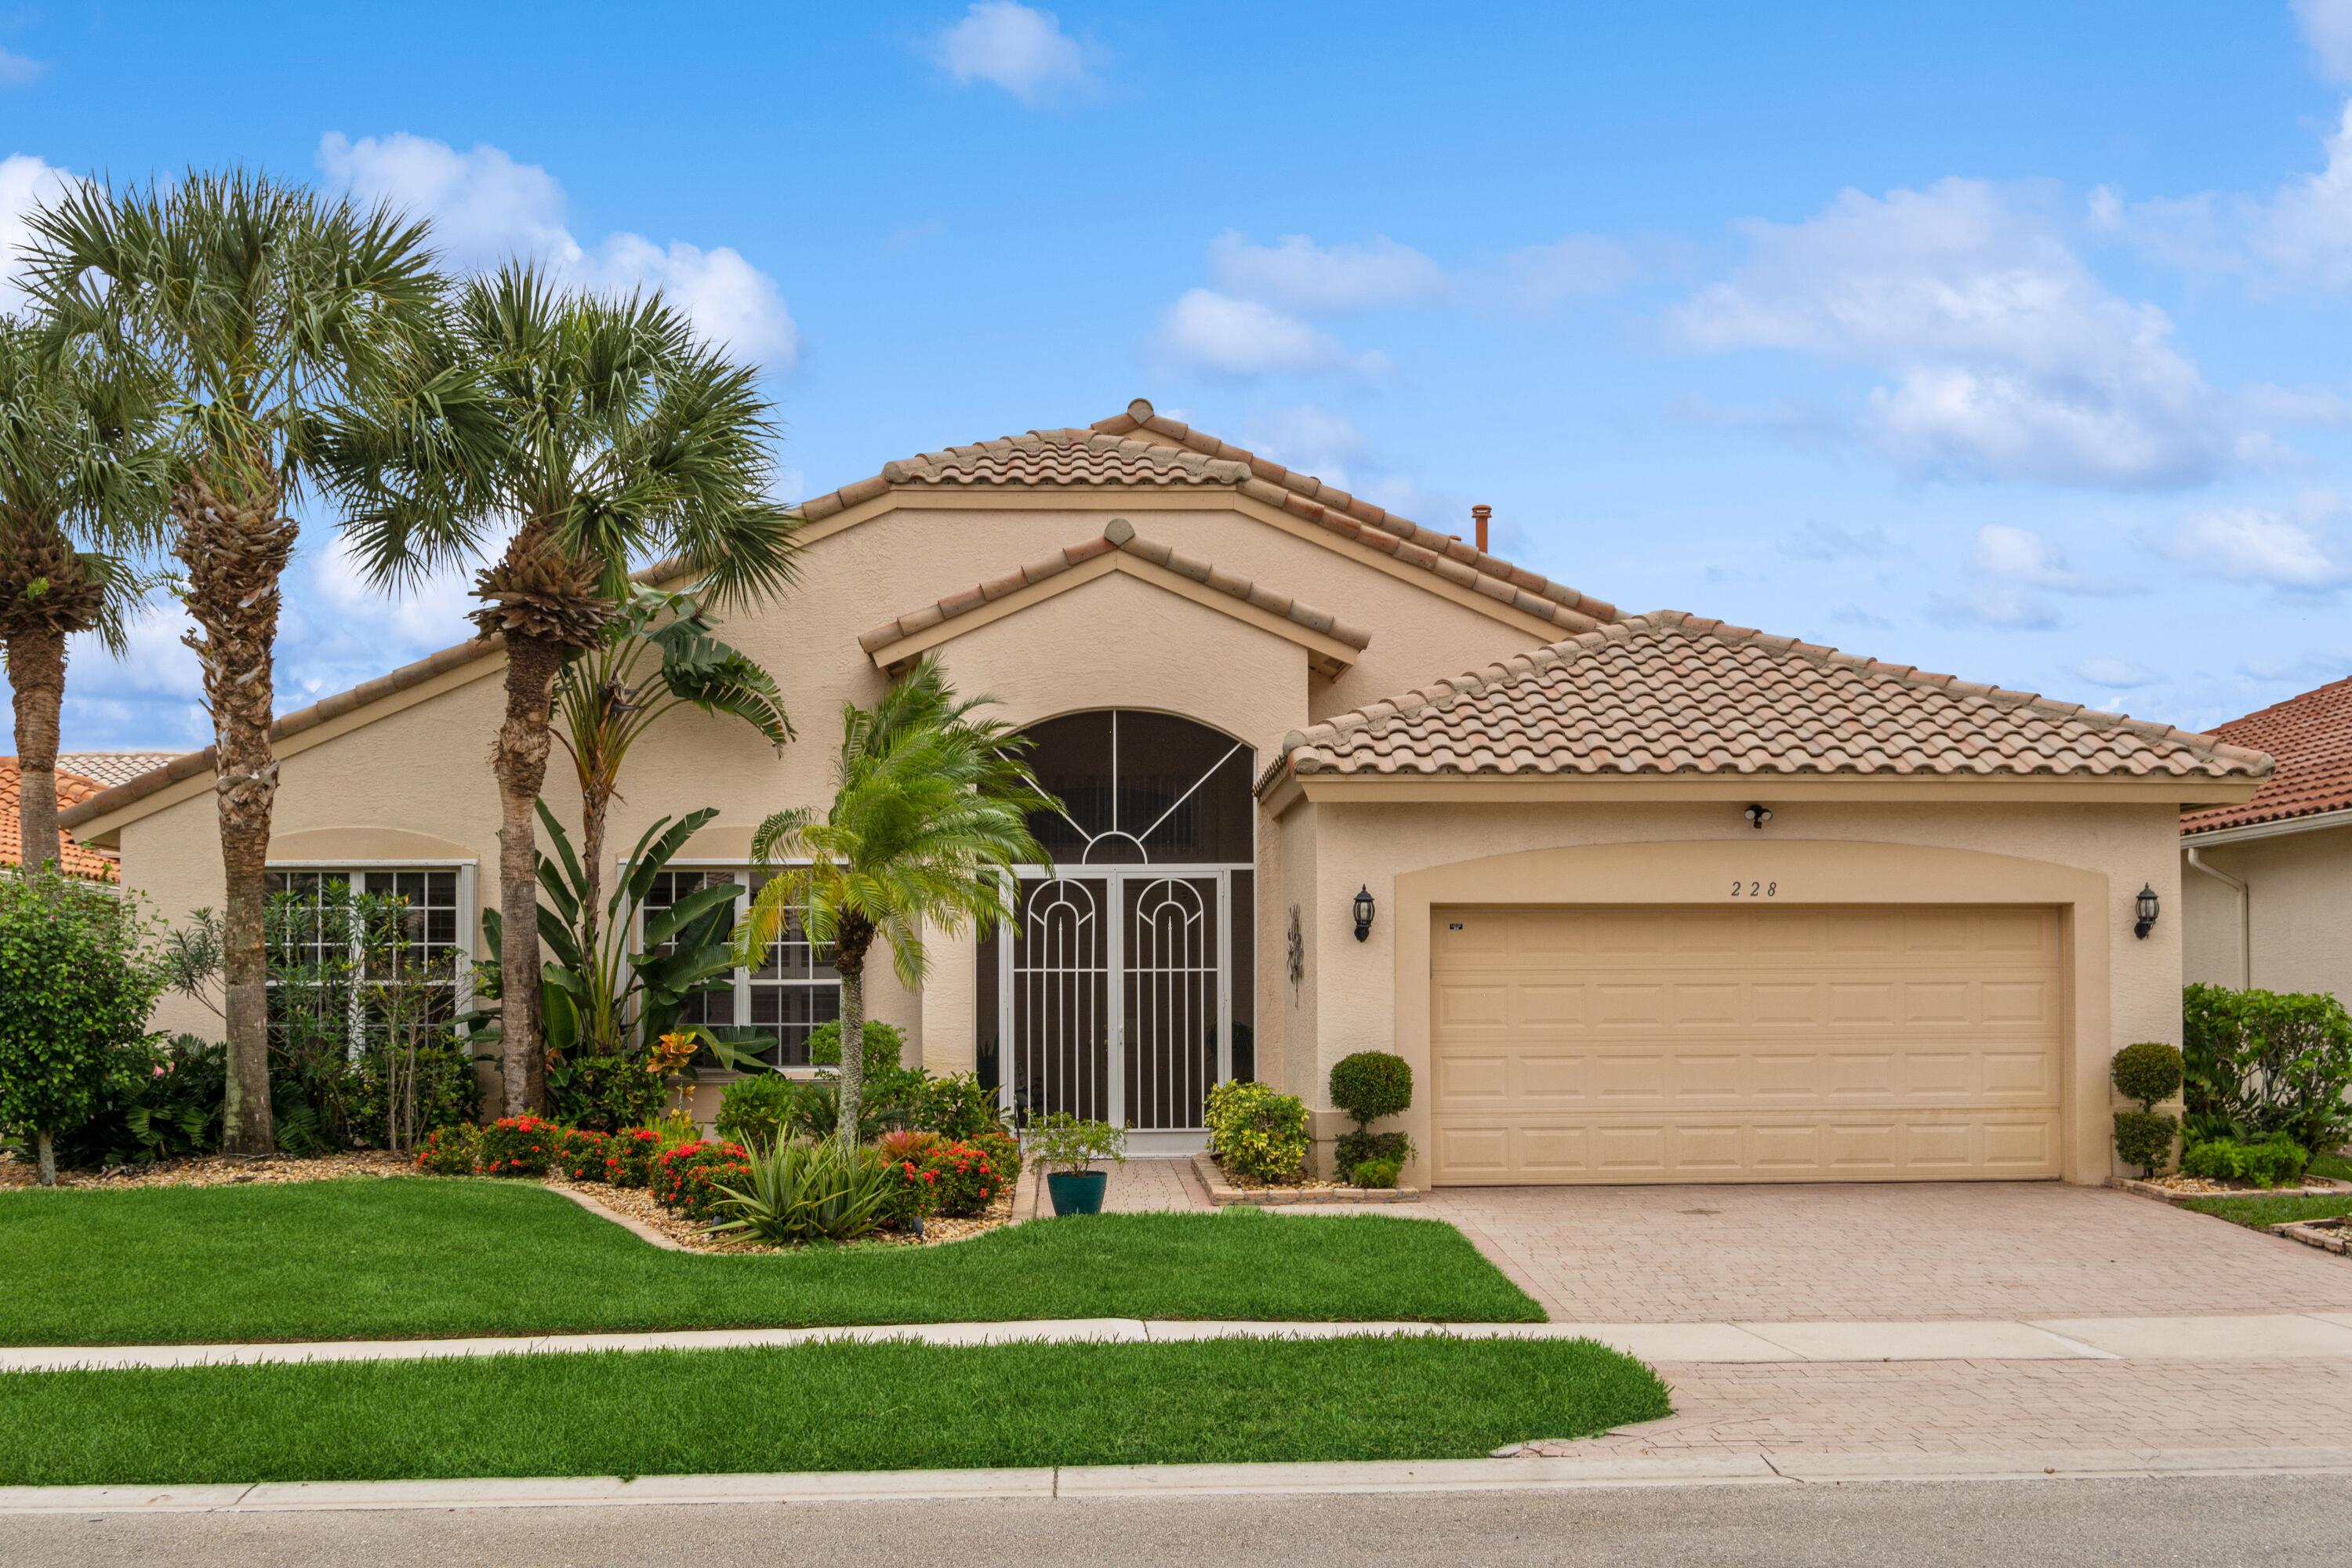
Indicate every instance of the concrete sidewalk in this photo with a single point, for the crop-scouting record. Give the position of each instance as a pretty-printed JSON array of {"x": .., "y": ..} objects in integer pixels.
[
  {"x": 1514, "y": 1474},
  {"x": 2325, "y": 1336}
]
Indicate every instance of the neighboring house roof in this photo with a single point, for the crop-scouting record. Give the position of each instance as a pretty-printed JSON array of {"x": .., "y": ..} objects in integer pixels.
[
  {"x": 1671, "y": 693},
  {"x": 1111, "y": 452},
  {"x": 72, "y": 858},
  {"x": 1117, "y": 537},
  {"x": 2311, "y": 736},
  {"x": 111, "y": 768}
]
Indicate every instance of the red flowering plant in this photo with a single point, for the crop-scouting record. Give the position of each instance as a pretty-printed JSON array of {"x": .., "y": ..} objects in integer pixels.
[
  {"x": 629, "y": 1156},
  {"x": 688, "y": 1177},
  {"x": 519, "y": 1146},
  {"x": 450, "y": 1150},
  {"x": 951, "y": 1178},
  {"x": 581, "y": 1154}
]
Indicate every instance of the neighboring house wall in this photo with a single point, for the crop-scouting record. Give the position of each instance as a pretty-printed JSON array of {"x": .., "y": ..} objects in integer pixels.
[
  {"x": 1357, "y": 1004},
  {"x": 2299, "y": 908}
]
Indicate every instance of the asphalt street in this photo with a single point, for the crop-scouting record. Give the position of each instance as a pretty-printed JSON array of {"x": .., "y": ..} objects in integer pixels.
[{"x": 2150, "y": 1524}]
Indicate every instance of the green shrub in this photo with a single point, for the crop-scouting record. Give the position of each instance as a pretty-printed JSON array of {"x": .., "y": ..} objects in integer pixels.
[
  {"x": 758, "y": 1109},
  {"x": 437, "y": 1083},
  {"x": 1375, "y": 1174},
  {"x": 2144, "y": 1138},
  {"x": 1059, "y": 1140},
  {"x": 157, "y": 1103},
  {"x": 1256, "y": 1134},
  {"x": 2148, "y": 1072},
  {"x": 450, "y": 1150},
  {"x": 2274, "y": 1162},
  {"x": 2261, "y": 1062},
  {"x": 580, "y": 1153},
  {"x": 629, "y": 1156},
  {"x": 517, "y": 1146},
  {"x": 955, "y": 1106},
  {"x": 1370, "y": 1085},
  {"x": 817, "y": 1107},
  {"x": 1350, "y": 1150},
  {"x": 884, "y": 1046},
  {"x": 800, "y": 1192},
  {"x": 688, "y": 1177},
  {"x": 606, "y": 1094},
  {"x": 79, "y": 975}
]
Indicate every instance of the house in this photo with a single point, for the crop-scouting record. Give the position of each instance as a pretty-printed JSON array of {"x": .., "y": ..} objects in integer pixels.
[
  {"x": 1639, "y": 897},
  {"x": 75, "y": 860},
  {"x": 2268, "y": 881}
]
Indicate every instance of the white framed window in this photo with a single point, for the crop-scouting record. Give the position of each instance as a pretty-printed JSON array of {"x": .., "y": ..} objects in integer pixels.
[
  {"x": 786, "y": 997},
  {"x": 439, "y": 953}
]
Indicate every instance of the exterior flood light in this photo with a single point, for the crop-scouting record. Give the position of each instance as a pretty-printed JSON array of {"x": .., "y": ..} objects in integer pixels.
[
  {"x": 1363, "y": 912},
  {"x": 1758, "y": 815},
  {"x": 2147, "y": 909}
]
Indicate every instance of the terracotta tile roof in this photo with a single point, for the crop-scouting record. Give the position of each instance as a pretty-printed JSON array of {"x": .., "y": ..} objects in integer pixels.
[
  {"x": 1674, "y": 693},
  {"x": 1115, "y": 451},
  {"x": 193, "y": 764},
  {"x": 72, "y": 858},
  {"x": 2311, "y": 736},
  {"x": 110, "y": 768},
  {"x": 1120, "y": 536}
]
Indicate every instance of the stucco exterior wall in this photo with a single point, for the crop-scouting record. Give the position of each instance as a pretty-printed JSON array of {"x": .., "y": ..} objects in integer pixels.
[
  {"x": 2299, "y": 906},
  {"x": 413, "y": 782},
  {"x": 1362, "y": 1002}
]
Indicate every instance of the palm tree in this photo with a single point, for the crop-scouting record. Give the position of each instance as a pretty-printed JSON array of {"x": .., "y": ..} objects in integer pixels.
[
  {"x": 258, "y": 306},
  {"x": 79, "y": 464},
  {"x": 602, "y": 432},
  {"x": 605, "y": 701},
  {"x": 930, "y": 816}
]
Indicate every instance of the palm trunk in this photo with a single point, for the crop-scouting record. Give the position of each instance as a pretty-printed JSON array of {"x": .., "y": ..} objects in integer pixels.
[
  {"x": 235, "y": 554},
  {"x": 36, "y": 674},
  {"x": 524, "y": 740},
  {"x": 593, "y": 804},
  {"x": 49, "y": 1157},
  {"x": 850, "y": 944}
]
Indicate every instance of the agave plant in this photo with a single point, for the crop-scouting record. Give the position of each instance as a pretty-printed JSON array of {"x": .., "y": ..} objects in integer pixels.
[{"x": 818, "y": 1190}]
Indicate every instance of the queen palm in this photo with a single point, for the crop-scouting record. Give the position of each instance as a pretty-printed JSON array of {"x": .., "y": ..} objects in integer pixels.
[
  {"x": 79, "y": 466},
  {"x": 601, "y": 431},
  {"x": 930, "y": 816},
  {"x": 256, "y": 306}
]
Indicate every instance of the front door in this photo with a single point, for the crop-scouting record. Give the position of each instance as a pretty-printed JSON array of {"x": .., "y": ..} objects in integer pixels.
[{"x": 1116, "y": 995}]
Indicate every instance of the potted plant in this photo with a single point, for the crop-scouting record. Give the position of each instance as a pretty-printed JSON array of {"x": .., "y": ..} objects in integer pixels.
[{"x": 1066, "y": 1149}]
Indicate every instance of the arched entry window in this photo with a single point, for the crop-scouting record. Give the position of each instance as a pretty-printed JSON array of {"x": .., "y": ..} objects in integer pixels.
[{"x": 1125, "y": 992}]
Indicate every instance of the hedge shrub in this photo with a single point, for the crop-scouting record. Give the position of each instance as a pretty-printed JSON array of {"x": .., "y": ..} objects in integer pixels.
[
  {"x": 1368, "y": 1085},
  {"x": 2264, "y": 1062},
  {"x": 757, "y": 1109},
  {"x": 1350, "y": 1150},
  {"x": 1256, "y": 1134},
  {"x": 2274, "y": 1162},
  {"x": 519, "y": 1146},
  {"x": 884, "y": 1046}
]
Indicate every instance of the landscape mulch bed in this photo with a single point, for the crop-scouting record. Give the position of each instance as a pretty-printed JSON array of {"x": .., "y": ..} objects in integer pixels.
[
  {"x": 220, "y": 1170},
  {"x": 639, "y": 1204}
]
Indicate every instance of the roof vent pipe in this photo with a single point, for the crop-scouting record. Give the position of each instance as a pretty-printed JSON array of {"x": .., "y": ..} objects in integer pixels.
[{"x": 1479, "y": 514}]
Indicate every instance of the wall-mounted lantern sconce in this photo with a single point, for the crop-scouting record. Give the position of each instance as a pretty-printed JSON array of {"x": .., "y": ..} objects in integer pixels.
[
  {"x": 1758, "y": 815},
  {"x": 1363, "y": 912},
  {"x": 2147, "y": 903}
]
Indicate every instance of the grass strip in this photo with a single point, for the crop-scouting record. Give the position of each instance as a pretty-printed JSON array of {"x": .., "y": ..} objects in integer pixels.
[
  {"x": 817, "y": 1407},
  {"x": 419, "y": 1256},
  {"x": 2259, "y": 1211}
]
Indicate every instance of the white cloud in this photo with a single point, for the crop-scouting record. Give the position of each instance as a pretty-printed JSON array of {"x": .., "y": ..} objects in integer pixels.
[
  {"x": 1815, "y": 540},
  {"x": 25, "y": 182},
  {"x": 2327, "y": 27},
  {"x": 2304, "y": 231},
  {"x": 2253, "y": 546},
  {"x": 2116, "y": 674},
  {"x": 1311, "y": 440},
  {"x": 17, "y": 70},
  {"x": 2021, "y": 556},
  {"x": 1021, "y": 50},
  {"x": 487, "y": 206},
  {"x": 2008, "y": 358},
  {"x": 1543, "y": 277},
  {"x": 1297, "y": 274},
  {"x": 1992, "y": 603},
  {"x": 1246, "y": 337}
]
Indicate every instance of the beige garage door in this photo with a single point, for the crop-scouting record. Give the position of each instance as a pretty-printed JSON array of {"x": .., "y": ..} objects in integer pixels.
[{"x": 1754, "y": 1043}]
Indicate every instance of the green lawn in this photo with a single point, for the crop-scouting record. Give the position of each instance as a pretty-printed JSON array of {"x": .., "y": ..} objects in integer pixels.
[
  {"x": 823, "y": 1407},
  {"x": 2336, "y": 1165},
  {"x": 2259, "y": 1211},
  {"x": 417, "y": 1256}
]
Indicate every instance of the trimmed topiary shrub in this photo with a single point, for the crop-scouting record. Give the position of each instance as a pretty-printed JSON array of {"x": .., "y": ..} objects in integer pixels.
[
  {"x": 1255, "y": 1133},
  {"x": 2144, "y": 1138},
  {"x": 1350, "y": 1150},
  {"x": 2148, "y": 1072},
  {"x": 1368, "y": 1085}
]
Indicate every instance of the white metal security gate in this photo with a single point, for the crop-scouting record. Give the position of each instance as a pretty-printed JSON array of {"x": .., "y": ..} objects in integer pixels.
[{"x": 1116, "y": 999}]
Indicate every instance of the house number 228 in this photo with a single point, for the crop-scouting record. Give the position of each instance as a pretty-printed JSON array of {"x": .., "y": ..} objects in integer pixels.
[{"x": 1755, "y": 890}]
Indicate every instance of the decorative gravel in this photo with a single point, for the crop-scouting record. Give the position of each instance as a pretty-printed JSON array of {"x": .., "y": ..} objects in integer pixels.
[
  {"x": 220, "y": 1170},
  {"x": 638, "y": 1205}
]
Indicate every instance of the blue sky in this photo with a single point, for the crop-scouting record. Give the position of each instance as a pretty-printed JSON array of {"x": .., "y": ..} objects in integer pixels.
[{"x": 2008, "y": 341}]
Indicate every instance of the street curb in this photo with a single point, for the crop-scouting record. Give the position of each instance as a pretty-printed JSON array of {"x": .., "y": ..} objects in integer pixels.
[{"x": 1598, "y": 1471}]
